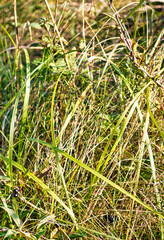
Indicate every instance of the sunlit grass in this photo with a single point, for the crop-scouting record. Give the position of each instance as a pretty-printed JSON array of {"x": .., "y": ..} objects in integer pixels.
[{"x": 82, "y": 122}]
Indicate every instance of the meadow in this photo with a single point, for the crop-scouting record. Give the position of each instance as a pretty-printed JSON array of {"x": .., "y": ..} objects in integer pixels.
[{"x": 81, "y": 120}]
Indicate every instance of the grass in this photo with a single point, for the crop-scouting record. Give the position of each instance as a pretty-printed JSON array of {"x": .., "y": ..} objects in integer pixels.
[{"x": 81, "y": 120}]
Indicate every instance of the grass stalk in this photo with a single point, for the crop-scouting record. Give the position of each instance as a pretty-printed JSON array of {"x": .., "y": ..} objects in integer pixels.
[{"x": 16, "y": 24}]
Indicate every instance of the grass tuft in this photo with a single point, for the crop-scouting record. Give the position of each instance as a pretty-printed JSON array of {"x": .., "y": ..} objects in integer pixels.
[{"x": 81, "y": 115}]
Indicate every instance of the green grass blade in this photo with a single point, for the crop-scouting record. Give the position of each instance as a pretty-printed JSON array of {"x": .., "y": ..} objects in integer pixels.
[
  {"x": 100, "y": 233},
  {"x": 11, "y": 138},
  {"x": 4, "y": 29},
  {"x": 8, "y": 104},
  {"x": 13, "y": 215},
  {"x": 26, "y": 102},
  {"x": 27, "y": 93},
  {"x": 134, "y": 9}
]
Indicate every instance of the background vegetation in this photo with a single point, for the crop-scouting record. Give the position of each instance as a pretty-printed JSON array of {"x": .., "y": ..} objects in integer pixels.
[{"x": 81, "y": 111}]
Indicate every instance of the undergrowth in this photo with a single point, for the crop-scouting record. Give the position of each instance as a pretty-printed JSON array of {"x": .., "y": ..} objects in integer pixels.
[{"x": 82, "y": 92}]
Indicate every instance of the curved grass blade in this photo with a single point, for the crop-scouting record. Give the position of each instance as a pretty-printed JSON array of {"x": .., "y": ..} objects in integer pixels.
[
  {"x": 10, "y": 233},
  {"x": 26, "y": 101},
  {"x": 91, "y": 231},
  {"x": 134, "y": 9},
  {"x": 13, "y": 215},
  {"x": 4, "y": 29},
  {"x": 27, "y": 93}
]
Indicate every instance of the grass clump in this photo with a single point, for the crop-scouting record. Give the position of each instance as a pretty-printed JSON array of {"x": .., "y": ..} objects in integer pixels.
[{"x": 81, "y": 121}]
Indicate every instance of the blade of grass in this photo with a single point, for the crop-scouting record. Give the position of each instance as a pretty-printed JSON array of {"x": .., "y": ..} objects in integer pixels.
[
  {"x": 4, "y": 29},
  {"x": 26, "y": 102},
  {"x": 27, "y": 93},
  {"x": 16, "y": 24},
  {"x": 134, "y": 9},
  {"x": 100, "y": 233},
  {"x": 11, "y": 138},
  {"x": 13, "y": 215}
]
